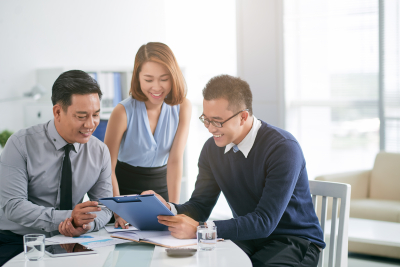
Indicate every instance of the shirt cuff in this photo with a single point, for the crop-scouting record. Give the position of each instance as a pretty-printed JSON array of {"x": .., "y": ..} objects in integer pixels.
[
  {"x": 91, "y": 229},
  {"x": 210, "y": 223},
  {"x": 59, "y": 216},
  {"x": 173, "y": 209}
]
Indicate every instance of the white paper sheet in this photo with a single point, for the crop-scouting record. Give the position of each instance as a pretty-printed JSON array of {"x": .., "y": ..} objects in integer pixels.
[
  {"x": 170, "y": 241},
  {"x": 104, "y": 242},
  {"x": 88, "y": 240},
  {"x": 150, "y": 234},
  {"x": 162, "y": 238},
  {"x": 61, "y": 239},
  {"x": 131, "y": 235}
]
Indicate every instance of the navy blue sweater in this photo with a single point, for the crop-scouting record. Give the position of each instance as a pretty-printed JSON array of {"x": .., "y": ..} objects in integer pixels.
[{"x": 268, "y": 191}]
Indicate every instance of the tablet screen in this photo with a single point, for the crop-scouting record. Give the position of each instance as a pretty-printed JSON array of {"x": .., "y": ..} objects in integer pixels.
[{"x": 71, "y": 248}]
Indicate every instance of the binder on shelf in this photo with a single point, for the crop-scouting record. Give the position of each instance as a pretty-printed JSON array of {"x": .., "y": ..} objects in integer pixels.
[
  {"x": 109, "y": 89},
  {"x": 117, "y": 89},
  {"x": 111, "y": 86}
]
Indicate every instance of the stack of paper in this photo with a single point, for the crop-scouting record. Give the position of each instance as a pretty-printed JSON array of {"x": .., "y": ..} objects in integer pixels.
[
  {"x": 61, "y": 239},
  {"x": 159, "y": 238},
  {"x": 104, "y": 242},
  {"x": 87, "y": 240}
]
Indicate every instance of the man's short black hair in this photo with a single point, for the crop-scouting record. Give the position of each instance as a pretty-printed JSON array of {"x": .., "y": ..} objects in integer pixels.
[
  {"x": 70, "y": 83},
  {"x": 233, "y": 89}
]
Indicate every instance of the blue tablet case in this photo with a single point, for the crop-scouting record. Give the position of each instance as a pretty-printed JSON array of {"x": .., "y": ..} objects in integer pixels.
[{"x": 140, "y": 211}]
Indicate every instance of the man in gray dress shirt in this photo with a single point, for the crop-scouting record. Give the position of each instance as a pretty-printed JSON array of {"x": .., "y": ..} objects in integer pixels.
[{"x": 31, "y": 169}]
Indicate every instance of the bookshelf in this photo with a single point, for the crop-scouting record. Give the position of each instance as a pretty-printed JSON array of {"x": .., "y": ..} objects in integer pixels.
[{"x": 114, "y": 83}]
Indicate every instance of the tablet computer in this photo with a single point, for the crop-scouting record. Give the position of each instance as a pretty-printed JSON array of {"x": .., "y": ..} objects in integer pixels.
[
  {"x": 70, "y": 249},
  {"x": 140, "y": 211}
]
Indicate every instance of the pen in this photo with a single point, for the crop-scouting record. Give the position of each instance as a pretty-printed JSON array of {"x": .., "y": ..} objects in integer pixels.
[
  {"x": 126, "y": 224},
  {"x": 101, "y": 206}
]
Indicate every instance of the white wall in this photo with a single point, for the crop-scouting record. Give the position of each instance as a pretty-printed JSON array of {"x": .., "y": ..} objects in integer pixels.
[
  {"x": 205, "y": 44},
  {"x": 260, "y": 56},
  {"x": 73, "y": 34}
]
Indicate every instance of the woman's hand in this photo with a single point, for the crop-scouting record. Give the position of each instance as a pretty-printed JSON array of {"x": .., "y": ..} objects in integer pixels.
[{"x": 120, "y": 222}]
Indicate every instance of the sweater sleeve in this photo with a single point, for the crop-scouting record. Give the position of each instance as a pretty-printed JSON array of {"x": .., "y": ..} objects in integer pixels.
[
  {"x": 205, "y": 194},
  {"x": 283, "y": 167}
]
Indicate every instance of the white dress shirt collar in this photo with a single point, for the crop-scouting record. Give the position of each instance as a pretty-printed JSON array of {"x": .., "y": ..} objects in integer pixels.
[{"x": 248, "y": 142}]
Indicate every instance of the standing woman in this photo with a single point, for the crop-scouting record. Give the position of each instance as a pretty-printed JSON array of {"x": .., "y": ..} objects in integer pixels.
[{"x": 147, "y": 132}]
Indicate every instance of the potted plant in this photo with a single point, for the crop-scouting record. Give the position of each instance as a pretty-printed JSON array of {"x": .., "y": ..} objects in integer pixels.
[{"x": 4, "y": 135}]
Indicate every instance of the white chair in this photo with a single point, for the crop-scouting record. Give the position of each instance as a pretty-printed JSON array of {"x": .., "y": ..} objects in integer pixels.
[{"x": 338, "y": 247}]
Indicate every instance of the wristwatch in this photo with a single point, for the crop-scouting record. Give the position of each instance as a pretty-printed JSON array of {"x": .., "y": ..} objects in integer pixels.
[{"x": 201, "y": 223}]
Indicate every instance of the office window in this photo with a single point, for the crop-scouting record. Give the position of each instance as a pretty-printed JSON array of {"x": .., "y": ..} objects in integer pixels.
[
  {"x": 332, "y": 82},
  {"x": 390, "y": 62},
  {"x": 202, "y": 36}
]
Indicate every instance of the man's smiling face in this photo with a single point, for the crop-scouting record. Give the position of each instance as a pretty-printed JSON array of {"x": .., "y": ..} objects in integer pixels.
[
  {"x": 80, "y": 119},
  {"x": 217, "y": 110}
]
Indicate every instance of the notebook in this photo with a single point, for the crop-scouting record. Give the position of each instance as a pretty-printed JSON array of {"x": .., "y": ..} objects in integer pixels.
[{"x": 159, "y": 238}]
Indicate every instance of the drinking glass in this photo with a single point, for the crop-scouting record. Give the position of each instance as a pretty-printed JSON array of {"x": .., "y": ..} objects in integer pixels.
[
  {"x": 206, "y": 237},
  {"x": 34, "y": 246}
]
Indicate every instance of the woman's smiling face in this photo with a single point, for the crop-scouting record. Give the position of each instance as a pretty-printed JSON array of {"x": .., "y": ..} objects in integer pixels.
[{"x": 155, "y": 82}]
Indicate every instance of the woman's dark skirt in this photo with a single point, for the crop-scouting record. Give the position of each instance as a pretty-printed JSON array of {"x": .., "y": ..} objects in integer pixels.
[{"x": 135, "y": 180}]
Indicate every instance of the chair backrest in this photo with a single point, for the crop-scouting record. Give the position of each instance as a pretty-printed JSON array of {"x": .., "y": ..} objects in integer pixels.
[{"x": 338, "y": 247}]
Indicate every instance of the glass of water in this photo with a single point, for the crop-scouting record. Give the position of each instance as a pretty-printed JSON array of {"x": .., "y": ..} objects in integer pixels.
[
  {"x": 34, "y": 246},
  {"x": 206, "y": 237}
]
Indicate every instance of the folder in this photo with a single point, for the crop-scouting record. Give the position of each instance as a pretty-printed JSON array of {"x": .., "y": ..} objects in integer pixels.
[{"x": 140, "y": 211}]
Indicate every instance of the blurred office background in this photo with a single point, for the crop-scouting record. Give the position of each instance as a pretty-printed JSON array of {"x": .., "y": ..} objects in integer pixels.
[{"x": 325, "y": 70}]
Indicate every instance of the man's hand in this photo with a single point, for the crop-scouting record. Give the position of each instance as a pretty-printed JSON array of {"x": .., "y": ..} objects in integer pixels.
[
  {"x": 148, "y": 192},
  {"x": 120, "y": 222},
  {"x": 180, "y": 226},
  {"x": 66, "y": 228},
  {"x": 80, "y": 214}
]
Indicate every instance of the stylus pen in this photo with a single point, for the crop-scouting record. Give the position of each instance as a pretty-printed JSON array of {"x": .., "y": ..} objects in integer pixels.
[{"x": 126, "y": 224}]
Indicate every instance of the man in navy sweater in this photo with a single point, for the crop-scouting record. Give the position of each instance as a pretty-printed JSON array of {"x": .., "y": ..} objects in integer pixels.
[{"x": 262, "y": 172}]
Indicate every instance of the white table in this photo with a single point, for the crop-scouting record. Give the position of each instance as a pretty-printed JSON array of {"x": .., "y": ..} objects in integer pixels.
[
  {"x": 226, "y": 254},
  {"x": 141, "y": 254},
  {"x": 372, "y": 232}
]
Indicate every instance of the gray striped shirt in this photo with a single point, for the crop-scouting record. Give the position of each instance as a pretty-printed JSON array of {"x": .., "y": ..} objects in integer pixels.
[{"x": 30, "y": 177}]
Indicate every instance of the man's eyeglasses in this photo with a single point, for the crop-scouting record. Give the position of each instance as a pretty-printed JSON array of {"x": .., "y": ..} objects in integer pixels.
[{"x": 217, "y": 123}]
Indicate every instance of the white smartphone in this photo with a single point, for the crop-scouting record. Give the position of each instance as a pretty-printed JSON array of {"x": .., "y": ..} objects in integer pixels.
[{"x": 70, "y": 249}]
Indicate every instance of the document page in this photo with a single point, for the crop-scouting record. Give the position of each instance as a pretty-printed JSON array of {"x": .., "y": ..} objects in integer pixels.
[
  {"x": 161, "y": 238},
  {"x": 127, "y": 235},
  {"x": 170, "y": 241},
  {"x": 61, "y": 239},
  {"x": 88, "y": 240},
  {"x": 150, "y": 234}
]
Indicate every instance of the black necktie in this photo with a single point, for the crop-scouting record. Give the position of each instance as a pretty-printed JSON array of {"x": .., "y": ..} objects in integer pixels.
[{"x": 66, "y": 181}]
